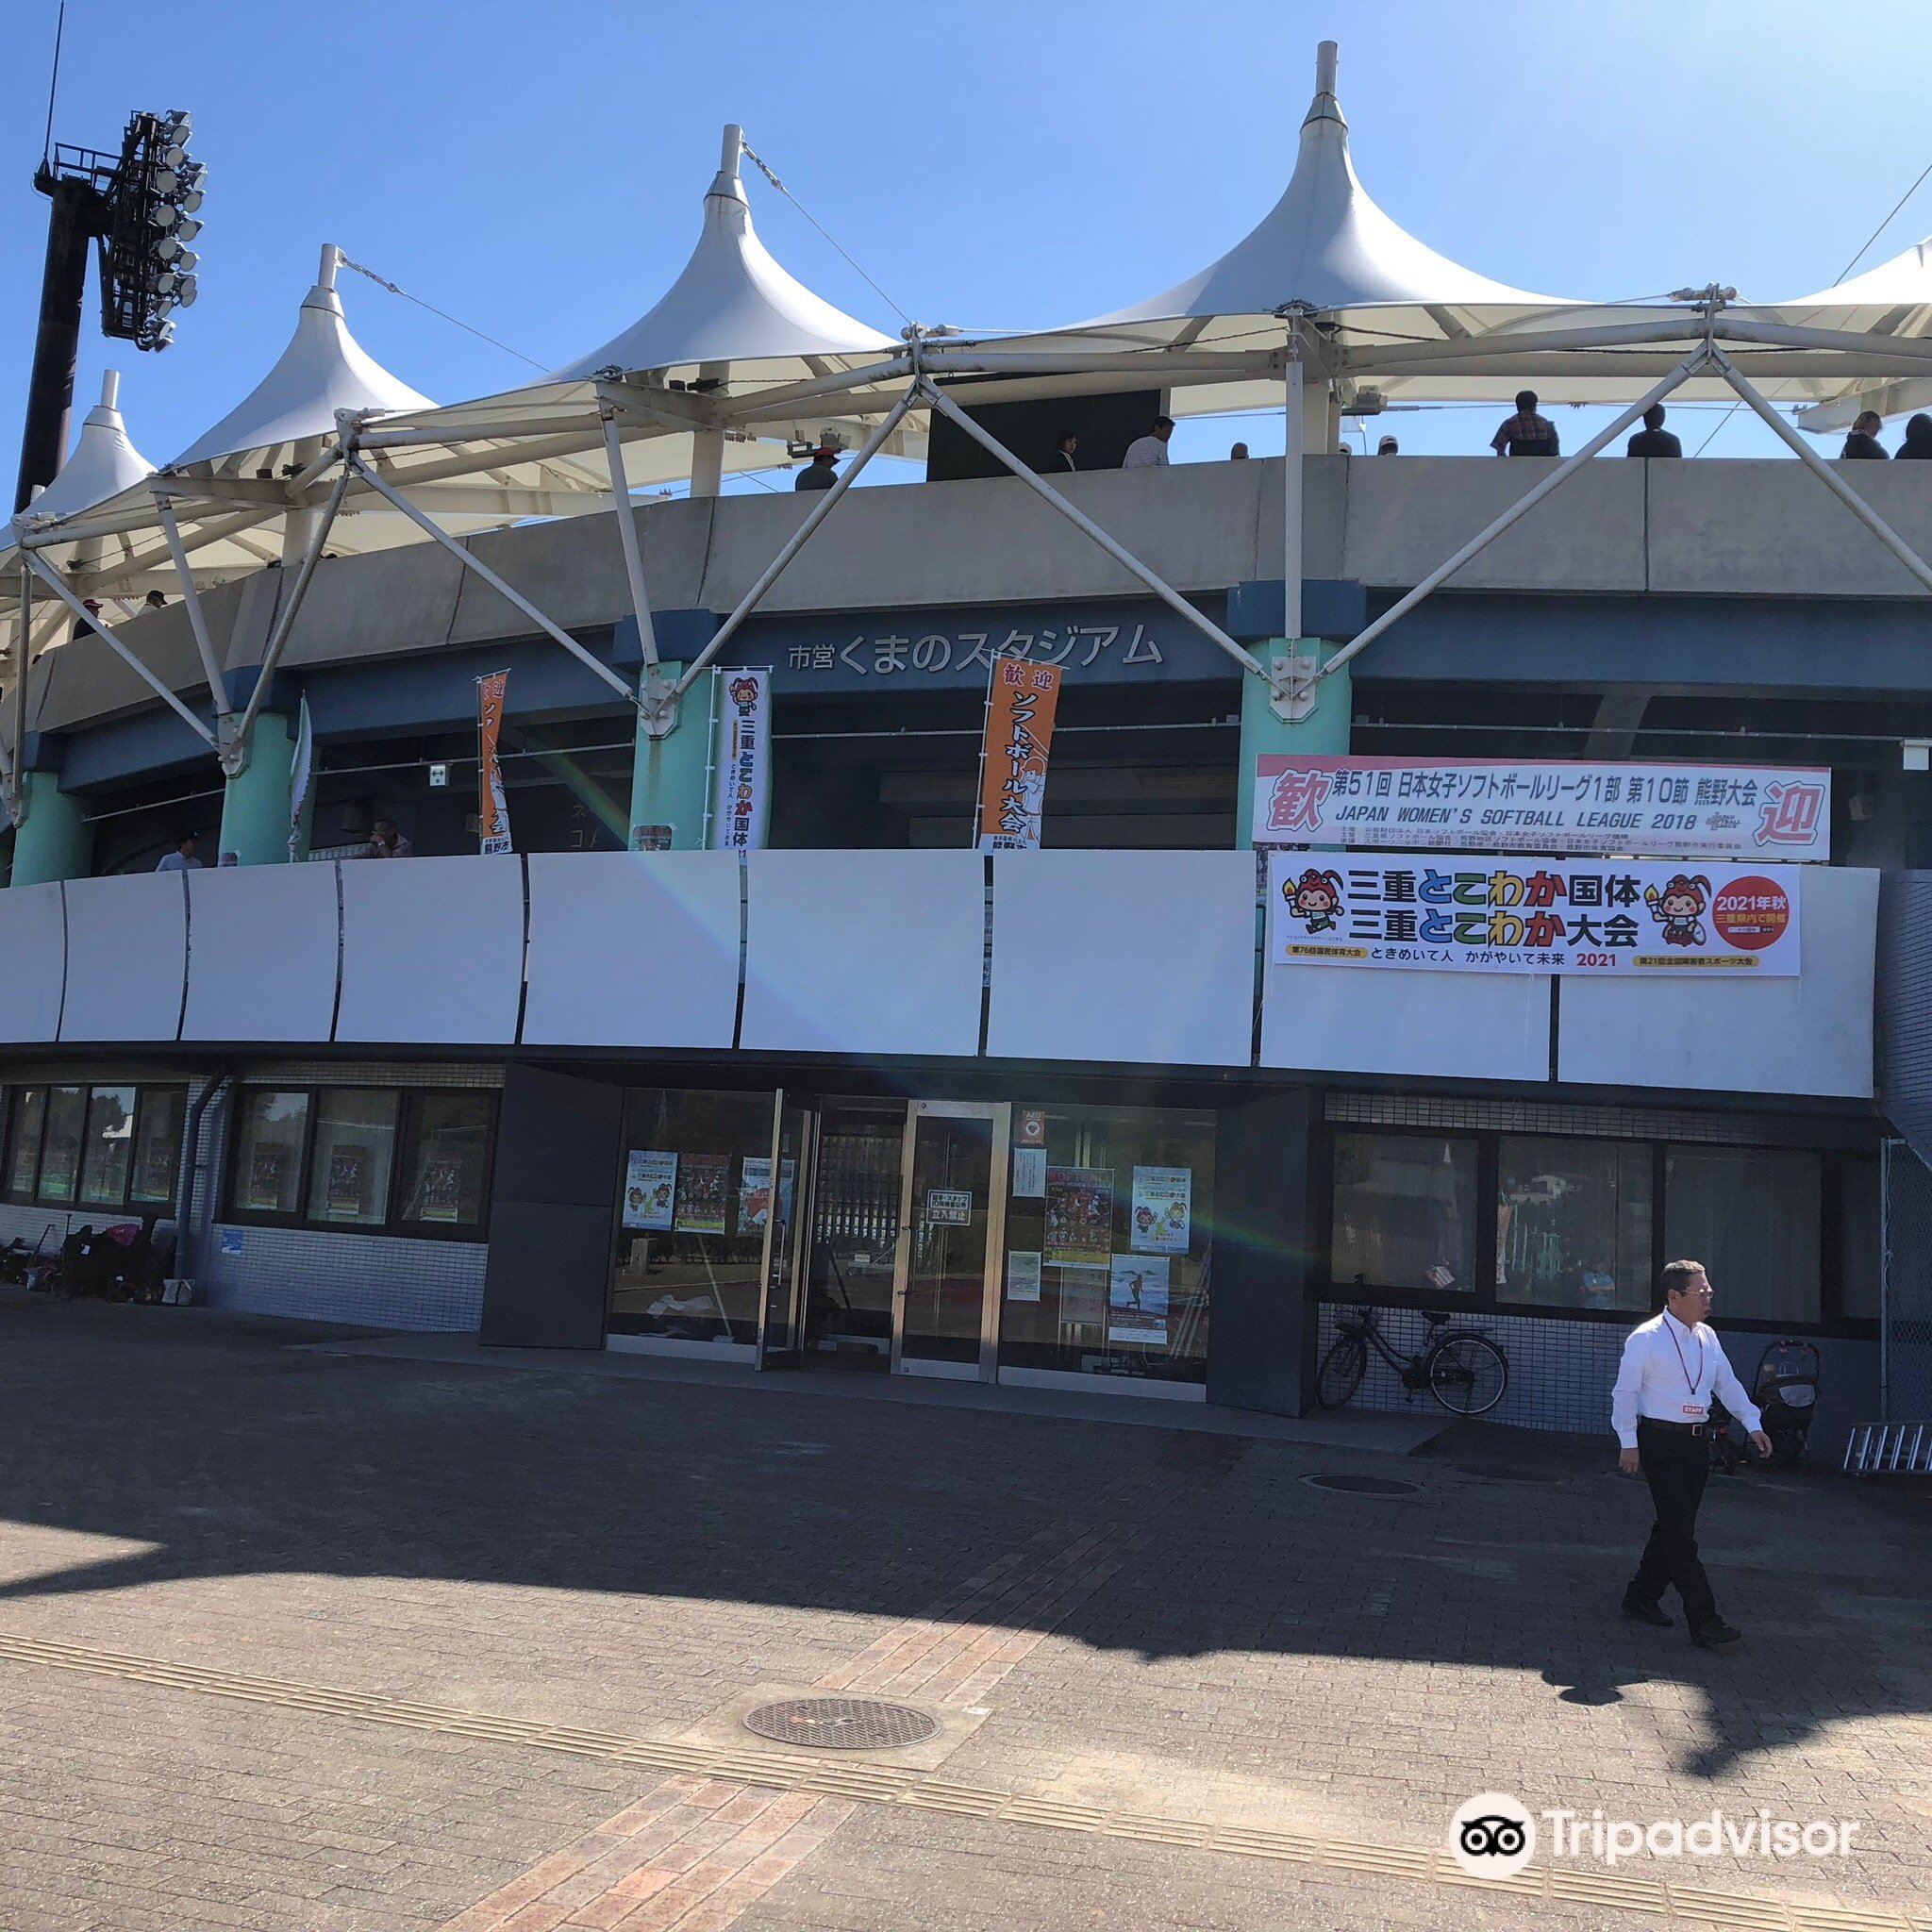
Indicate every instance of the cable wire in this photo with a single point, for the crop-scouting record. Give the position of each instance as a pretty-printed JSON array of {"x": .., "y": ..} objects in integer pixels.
[
  {"x": 764, "y": 168},
  {"x": 383, "y": 282}
]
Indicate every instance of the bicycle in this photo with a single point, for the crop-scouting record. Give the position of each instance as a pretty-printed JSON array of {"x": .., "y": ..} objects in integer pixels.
[{"x": 1463, "y": 1370}]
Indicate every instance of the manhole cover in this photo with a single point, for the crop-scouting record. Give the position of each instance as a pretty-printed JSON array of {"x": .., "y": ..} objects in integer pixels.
[
  {"x": 1364, "y": 1485},
  {"x": 841, "y": 1724}
]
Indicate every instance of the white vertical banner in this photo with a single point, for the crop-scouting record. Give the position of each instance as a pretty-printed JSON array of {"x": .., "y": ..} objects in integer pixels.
[
  {"x": 300, "y": 774},
  {"x": 741, "y": 806}
]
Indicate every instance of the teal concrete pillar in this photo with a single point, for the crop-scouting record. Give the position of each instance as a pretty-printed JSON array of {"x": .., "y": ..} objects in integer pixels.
[
  {"x": 1324, "y": 733},
  {"x": 53, "y": 840},
  {"x": 255, "y": 803},
  {"x": 670, "y": 781}
]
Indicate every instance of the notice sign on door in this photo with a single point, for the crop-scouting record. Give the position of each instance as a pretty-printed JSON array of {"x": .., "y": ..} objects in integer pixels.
[
  {"x": 1533, "y": 915},
  {"x": 948, "y": 1207}
]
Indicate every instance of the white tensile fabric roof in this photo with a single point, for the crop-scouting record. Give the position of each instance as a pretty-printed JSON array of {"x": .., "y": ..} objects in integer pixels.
[
  {"x": 324, "y": 368},
  {"x": 1893, "y": 300},
  {"x": 103, "y": 462}
]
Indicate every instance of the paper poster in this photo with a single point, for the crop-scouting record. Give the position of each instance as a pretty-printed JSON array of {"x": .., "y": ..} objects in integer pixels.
[
  {"x": 742, "y": 805},
  {"x": 753, "y": 1194},
  {"x": 948, "y": 1207},
  {"x": 348, "y": 1164},
  {"x": 1083, "y": 1298},
  {"x": 442, "y": 1190},
  {"x": 266, "y": 1167},
  {"x": 1079, "y": 1216},
  {"x": 1163, "y": 1210},
  {"x": 650, "y": 1190},
  {"x": 1136, "y": 1300},
  {"x": 702, "y": 1185},
  {"x": 1020, "y": 700},
  {"x": 1022, "y": 1274},
  {"x": 1534, "y": 915},
  {"x": 493, "y": 807},
  {"x": 231, "y": 1241},
  {"x": 1029, "y": 1174},
  {"x": 1760, "y": 812}
]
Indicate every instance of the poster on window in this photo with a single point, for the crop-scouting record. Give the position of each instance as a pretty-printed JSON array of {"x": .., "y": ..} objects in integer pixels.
[
  {"x": 1029, "y": 1174},
  {"x": 702, "y": 1188},
  {"x": 743, "y": 806},
  {"x": 1136, "y": 1301},
  {"x": 754, "y": 1193},
  {"x": 1079, "y": 1216},
  {"x": 492, "y": 806},
  {"x": 1760, "y": 812},
  {"x": 442, "y": 1190},
  {"x": 1020, "y": 700},
  {"x": 348, "y": 1180},
  {"x": 1022, "y": 1274},
  {"x": 1163, "y": 1206},
  {"x": 650, "y": 1190},
  {"x": 267, "y": 1169},
  {"x": 1529, "y": 915}
]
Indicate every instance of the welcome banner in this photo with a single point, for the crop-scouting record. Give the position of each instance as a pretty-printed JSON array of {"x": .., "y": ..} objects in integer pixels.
[
  {"x": 1021, "y": 701},
  {"x": 1524, "y": 915},
  {"x": 493, "y": 807}
]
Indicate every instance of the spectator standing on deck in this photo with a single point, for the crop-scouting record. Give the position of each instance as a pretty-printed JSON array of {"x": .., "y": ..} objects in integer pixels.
[
  {"x": 1863, "y": 444},
  {"x": 1654, "y": 439},
  {"x": 1149, "y": 452},
  {"x": 1526, "y": 434}
]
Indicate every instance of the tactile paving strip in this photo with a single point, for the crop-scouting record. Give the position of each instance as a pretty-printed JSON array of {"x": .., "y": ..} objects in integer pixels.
[{"x": 884, "y": 1784}]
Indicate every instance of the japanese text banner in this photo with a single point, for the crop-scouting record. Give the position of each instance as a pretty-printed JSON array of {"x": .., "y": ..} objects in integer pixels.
[
  {"x": 1657, "y": 810},
  {"x": 1019, "y": 707},
  {"x": 492, "y": 805},
  {"x": 741, "y": 808},
  {"x": 1525, "y": 915}
]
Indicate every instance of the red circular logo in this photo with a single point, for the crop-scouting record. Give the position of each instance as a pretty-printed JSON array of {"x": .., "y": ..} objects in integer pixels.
[{"x": 1751, "y": 914}]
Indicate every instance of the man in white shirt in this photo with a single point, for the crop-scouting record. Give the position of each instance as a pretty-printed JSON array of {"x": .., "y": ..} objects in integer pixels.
[
  {"x": 182, "y": 859},
  {"x": 1149, "y": 452},
  {"x": 1661, "y": 1409}
]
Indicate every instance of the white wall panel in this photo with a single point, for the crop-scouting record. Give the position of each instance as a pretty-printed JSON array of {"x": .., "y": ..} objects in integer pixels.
[
  {"x": 1724, "y": 1032},
  {"x": 1138, "y": 957},
  {"x": 432, "y": 950},
  {"x": 127, "y": 957},
  {"x": 632, "y": 949},
  {"x": 864, "y": 952},
  {"x": 261, "y": 952},
  {"x": 1378, "y": 1020},
  {"x": 33, "y": 963}
]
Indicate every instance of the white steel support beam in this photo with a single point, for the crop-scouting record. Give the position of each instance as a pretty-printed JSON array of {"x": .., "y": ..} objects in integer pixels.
[
  {"x": 197, "y": 620},
  {"x": 23, "y": 664},
  {"x": 627, "y": 539},
  {"x": 1823, "y": 471},
  {"x": 1291, "y": 492},
  {"x": 793, "y": 546},
  {"x": 946, "y": 406},
  {"x": 57, "y": 583},
  {"x": 1520, "y": 508},
  {"x": 508, "y": 593},
  {"x": 235, "y": 752}
]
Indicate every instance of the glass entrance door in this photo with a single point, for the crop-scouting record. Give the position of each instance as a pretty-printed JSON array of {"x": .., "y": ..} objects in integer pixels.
[
  {"x": 945, "y": 1300},
  {"x": 780, "y": 1323}
]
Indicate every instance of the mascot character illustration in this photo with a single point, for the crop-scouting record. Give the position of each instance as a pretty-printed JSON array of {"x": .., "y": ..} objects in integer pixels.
[
  {"x": 1315, "y": 899},
  {"x": 1678, "y": 909}
]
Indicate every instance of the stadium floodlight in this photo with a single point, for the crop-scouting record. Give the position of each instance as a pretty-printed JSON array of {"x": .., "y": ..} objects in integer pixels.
[{"x": 138, "y": 207}]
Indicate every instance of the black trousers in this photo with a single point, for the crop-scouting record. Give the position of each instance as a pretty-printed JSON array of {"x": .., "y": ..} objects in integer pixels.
[{"x": 1677, "y": 1465}]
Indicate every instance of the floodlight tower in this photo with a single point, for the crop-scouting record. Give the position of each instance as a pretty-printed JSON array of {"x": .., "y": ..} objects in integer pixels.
[{"x": 139, "y": 207}]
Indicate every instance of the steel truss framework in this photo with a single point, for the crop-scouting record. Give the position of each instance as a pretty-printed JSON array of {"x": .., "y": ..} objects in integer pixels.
[{"x": 418, "y": 469}]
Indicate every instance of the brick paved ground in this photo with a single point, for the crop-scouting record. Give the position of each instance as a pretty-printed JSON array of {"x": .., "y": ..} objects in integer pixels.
[{"x": 1141, "y": 1620}]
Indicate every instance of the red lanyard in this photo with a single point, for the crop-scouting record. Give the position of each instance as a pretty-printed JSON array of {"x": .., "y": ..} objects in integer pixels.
[{"x": 1689, "y": 1383}]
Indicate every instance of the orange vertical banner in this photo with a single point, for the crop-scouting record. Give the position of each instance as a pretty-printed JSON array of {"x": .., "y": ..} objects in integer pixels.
[
  {"x": 492, "y": 807},
  {"x": 1020, "y": 706}
]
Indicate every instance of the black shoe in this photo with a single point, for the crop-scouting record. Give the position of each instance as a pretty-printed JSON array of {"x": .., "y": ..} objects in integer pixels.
[
  {"x": 1646, "y": 1613},
  {"x": 1717, "y": 1635}
]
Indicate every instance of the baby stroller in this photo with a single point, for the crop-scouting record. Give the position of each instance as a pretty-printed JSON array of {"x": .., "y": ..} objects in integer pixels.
[{"x": 1785, "y": 1391}]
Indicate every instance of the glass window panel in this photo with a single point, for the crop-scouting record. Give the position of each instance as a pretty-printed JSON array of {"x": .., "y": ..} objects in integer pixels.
[
  {"x": 157, "y": 1144},
  {"x": 1859, "y": 1246},
  {"x": 1108, "y": 1241},
  {"x": 108, "y": 1152},
  {"x": 1751, "y": 1215},
  {"x": 60, "y": 1150},
  {"x": 1405, "y": 1212},
  {"x": 693, "y": 1191},
  {"x": 445, "y": 1160},
  {"x": 351, "y": 1155},
  {"x": 268, "y": 1151},
  {"x": 24, "y": 1142},
  {"x": 1573, "y": 1223}
]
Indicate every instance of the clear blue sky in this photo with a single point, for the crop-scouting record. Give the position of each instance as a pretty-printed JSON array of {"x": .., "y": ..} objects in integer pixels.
[{"x": 538, "y": 168}]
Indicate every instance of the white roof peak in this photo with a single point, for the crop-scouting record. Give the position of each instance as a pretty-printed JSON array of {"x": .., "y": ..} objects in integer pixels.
[
  {"x": 102, "y": 464},
  {"x": 324, "y": 368},
  {"x": 732, "y": 302}
]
